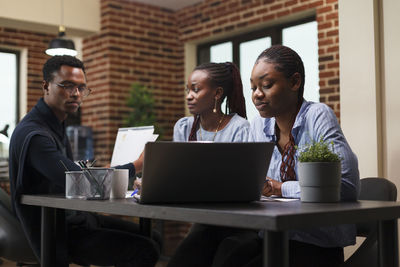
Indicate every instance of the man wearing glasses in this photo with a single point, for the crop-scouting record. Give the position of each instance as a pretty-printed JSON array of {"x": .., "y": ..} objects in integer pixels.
[{"x": 38, "y": 149}]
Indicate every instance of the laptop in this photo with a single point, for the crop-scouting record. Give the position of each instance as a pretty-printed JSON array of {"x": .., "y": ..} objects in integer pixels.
[{"x": 183, "y": 172}]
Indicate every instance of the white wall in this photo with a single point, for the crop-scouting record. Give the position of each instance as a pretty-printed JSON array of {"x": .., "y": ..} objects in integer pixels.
[
  {"x": 359, "y": 75},
  {"x": 391, "y": 100},
  {"x": 81, "y": 17},
  {"x": 370, "y": 110}
]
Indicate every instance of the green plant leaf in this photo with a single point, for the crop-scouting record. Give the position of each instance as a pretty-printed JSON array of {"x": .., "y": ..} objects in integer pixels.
[
  {"x": 141, "y": 101},
  {"x": 318, "y": 151}
]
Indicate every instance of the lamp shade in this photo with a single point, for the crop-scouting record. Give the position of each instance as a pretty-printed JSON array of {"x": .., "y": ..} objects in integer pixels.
[{"x": 61, "y": 46}]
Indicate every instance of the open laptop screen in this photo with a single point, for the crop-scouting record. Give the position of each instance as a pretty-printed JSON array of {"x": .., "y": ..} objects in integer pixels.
[{"x": 177, "y": 172}]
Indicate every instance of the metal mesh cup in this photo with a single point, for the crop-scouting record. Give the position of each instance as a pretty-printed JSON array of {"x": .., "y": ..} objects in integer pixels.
[
  {"x": 76, "y": 185},
  {"x": 99, "y": 182}
]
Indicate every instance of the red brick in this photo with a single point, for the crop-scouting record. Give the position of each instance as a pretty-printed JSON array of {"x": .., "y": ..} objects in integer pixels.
[
  {"x": 275, "y": 7},
  {"x": 262, "y": 10},
  {"x": 316, "y": 4},
  {"x": 283, "y": 13},
  {"x": 328, "y": 90},
  {"x": 325, "y": 74},
  {"x": 333, "y": 49},
  {"x": 268, "y": 17},
  {"x": 325, "y": 25},
  {"x": 300, "y": 8},
  {"x": 332, "y": 33},
  {"x": 325, "y": 42},
  {"x": 324, "y": 9},
  {"x": 333, "y": 65},
  {"x": 332, "y": 16},
  {"x": 290, "y": 3},
  {"x": 334, "y": 98}
]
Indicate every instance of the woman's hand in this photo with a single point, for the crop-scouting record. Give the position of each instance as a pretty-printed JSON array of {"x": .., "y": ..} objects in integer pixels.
[{"x": 272, "y": 187}]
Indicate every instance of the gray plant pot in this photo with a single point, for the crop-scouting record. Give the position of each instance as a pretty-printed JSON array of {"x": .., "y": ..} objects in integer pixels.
[{"x": 319, "y": 181}]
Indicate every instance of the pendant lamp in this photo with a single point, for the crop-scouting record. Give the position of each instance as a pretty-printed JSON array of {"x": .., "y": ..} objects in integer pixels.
[{"x": 61, "y": 45}]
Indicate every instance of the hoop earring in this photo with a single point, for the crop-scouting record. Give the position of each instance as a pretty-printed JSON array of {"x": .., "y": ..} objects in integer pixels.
[{"x": 215, "y": 106}]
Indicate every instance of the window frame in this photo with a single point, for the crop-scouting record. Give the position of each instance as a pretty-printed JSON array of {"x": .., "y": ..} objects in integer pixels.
[
  {"x": 275, "y": 32},
  {"x": 18, "y": 89}
]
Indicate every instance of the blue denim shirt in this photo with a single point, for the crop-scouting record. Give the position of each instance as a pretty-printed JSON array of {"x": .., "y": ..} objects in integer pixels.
[{"x": 313, "y": 121}]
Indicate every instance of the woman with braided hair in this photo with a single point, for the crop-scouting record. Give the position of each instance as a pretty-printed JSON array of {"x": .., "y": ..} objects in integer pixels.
[
  {"x": 207, "y": 87},
  {"x": 285, "y": 118}
]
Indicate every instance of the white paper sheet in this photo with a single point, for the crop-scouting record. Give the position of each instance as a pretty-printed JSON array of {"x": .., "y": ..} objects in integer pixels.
[
  {"x": 277, "y": 199},
  {"x": 130, "y": 142}
]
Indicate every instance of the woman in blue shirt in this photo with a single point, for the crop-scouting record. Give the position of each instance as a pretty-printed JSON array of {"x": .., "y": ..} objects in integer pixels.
[
  {"x": 207, "y": 87},
  {"x": 285, "y": 118}
]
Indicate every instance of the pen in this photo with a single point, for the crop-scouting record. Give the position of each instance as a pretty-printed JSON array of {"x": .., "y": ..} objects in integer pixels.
[{"x": 134, "y": 192}]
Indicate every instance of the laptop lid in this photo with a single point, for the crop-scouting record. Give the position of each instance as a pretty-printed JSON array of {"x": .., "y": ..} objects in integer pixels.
[{"x": 178, "y": 172}]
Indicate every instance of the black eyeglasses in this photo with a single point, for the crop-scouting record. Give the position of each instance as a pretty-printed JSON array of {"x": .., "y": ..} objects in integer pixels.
[{"x": 71, "y": 87}]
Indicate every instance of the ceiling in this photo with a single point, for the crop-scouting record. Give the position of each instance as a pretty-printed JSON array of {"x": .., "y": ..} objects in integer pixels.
[{"x": 170, "y": 4}]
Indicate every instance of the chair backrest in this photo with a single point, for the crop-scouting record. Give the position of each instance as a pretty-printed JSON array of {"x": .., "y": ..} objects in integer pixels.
[
  {"x": 13, "y": 244},
  {"x": 5, "y": 200},
  {"x": 374, "y": 188},
  {"x": 371, "y": 188}
]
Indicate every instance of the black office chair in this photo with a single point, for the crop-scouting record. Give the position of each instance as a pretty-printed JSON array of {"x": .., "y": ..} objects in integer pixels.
[
  {"x": 13, "y": 244},
  {"x": 372, "y": 188}
]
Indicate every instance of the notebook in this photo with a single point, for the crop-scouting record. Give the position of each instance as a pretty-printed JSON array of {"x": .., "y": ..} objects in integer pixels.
[{"x": 181, "y": 172}]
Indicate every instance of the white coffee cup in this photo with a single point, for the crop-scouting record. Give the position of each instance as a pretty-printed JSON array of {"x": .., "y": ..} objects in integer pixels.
[{"x": 119, "y": 184}]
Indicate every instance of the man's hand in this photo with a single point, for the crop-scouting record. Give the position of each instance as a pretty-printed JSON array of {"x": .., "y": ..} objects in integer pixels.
[
  {"x": 139, "y": 163},
  {"x": 272, "y": 187},
  {"x": 137, "y": 184}
]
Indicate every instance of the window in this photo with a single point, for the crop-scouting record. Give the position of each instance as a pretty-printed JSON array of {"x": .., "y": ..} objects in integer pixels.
[
  {"x": 301, "y": 36},
  {"x": 303, "y": 39},
  {"x": 9, "y": 77}
]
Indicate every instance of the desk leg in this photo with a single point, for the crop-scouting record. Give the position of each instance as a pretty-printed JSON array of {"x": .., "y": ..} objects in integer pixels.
[
  {"x": 276, "y": 249},
  {"x": 145, "y": 226},
  {"x": 48, "y": 248},
  {"x": 388, "y": 244}
]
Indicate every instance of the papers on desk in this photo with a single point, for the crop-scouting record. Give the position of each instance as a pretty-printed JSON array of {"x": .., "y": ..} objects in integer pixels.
[
  {"x": 276, "y": 199},
  {"x": 130, "y": 143},
  {"x": 129, "y": 194}
]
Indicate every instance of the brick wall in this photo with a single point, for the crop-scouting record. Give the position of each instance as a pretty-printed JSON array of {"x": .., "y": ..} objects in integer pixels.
[
  {"x": 35, "y": 43},
  {"x": 136, "y": 43},
  {"x": 213, "y": 18}
]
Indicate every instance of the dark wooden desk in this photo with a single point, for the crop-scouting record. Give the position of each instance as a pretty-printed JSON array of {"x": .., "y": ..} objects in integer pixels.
[{"x": 276, "y": 218}]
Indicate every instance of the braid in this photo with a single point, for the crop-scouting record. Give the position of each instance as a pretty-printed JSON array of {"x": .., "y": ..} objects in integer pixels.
[
  {"x": 235, "y": 100},
  {"x": 286, "y": 61},
  {"x": 195, "y": 126},
  {"x": 227, "y": 76}
]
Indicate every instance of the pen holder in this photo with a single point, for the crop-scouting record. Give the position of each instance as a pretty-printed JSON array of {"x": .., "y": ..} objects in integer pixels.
[
  {"x": 76, "y": 185},
  {"x": 99, "y": 182}
]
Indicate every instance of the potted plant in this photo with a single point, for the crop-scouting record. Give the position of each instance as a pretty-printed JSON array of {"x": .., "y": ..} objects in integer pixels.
[
  {"x": 319, "y": 171},
  {"x": 142, "y": 111},
  {"x": 141, "y": 101}
]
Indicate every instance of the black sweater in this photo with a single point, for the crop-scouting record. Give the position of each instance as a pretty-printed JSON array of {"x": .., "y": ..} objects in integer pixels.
[{"x": 37, "y": 146}]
